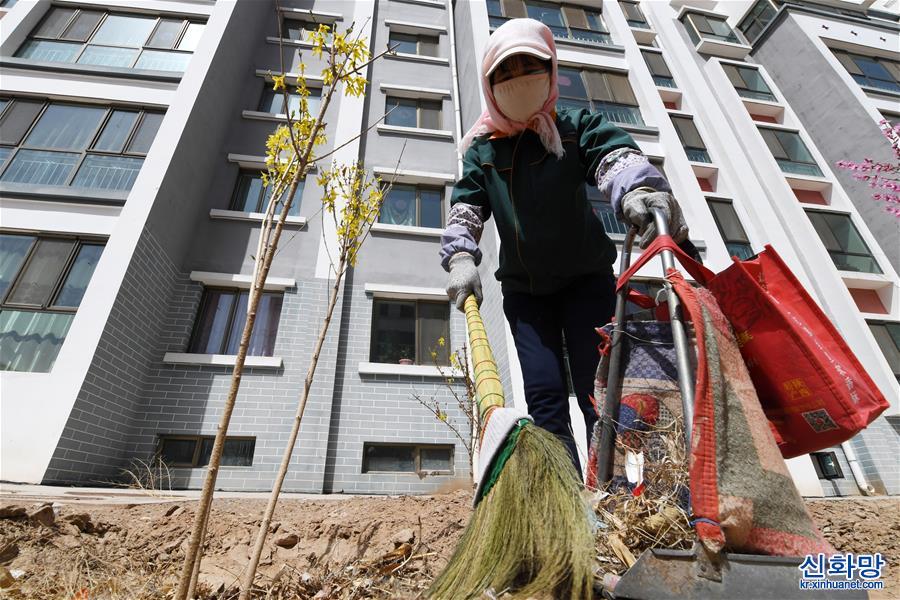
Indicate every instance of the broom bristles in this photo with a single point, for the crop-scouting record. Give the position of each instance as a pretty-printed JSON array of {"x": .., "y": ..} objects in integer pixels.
[{"x": 530, "y": 536}]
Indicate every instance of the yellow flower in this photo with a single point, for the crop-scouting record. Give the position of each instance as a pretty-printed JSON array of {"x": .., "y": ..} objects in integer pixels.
[
  {"x": 278, "y": 82},
  {"x": 441, "y": 342}
]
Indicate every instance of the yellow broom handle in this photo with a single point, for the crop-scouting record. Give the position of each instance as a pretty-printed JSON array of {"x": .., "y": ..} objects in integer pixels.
[{"x": 487, "y": 379}]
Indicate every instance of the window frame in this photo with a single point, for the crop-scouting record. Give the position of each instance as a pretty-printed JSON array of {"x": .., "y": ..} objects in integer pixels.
[
  {"x": 892, "y": 67},
  {"x": 593, "y": 94},
  {"x": 744, "y": 91},
  {"x": 49, "y": 304},
  {"x": 88, "y": 149},
  {"x": 894, "y": 339},
  {"x": 636, "y": 18},
  {"x": 106, "y": 13},
  {"x": 305, "y": 23},
  {"x": 421, "y": 356},
  {"x": 730, "y": 242},
  {"x": 694, "y": 152},
  {"x": 229, "y": 323},
  {"x": 435, "y": 39},
  {"x": 789, "y": 160},
  {"x": 419, "y": 188},
  {"x": 495, "y": 19},
  {"x": 820, "y": 471},
  {"x": 419, "y": 111},
  {"x": 809, "y": 212},
  {"x": 260, "y": 202},
  {"x": 755, "y": 16},
  {"x": 696, "y": 35},
  {"x": 417, "y": 457},
  {"x": 198, "y": 447},
  {"x": 660, "y": 79}
]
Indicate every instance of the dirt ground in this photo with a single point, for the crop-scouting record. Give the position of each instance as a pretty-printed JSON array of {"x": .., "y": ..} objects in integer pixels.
[{"x": 369, "y": 547}]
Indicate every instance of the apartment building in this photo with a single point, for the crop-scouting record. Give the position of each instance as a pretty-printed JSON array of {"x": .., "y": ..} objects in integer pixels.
[{"x": 132, "y": 143}]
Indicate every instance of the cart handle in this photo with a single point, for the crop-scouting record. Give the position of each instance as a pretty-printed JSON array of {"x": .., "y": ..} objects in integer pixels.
[{"x": 610, "y": 414}]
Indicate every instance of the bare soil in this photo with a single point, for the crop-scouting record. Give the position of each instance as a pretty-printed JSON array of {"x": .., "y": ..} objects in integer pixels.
[{"x": 371, "y": 547}]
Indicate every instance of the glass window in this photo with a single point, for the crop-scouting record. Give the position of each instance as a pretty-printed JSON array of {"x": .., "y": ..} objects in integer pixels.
[
  {"x": 690, "y": 139},
  {"x": 413, "y": 205},
  {"x": 41, "y": 286},
  {"x": 273, "y": 102},
  {"x": 407, "y": 458},
  {"x": 658, "y": 68},
  {"x": 827, "y": 465},
  {"x": 411, "y": 112},
  {"x": 605, "y": 92},
  {"x": 82, "y": 26},
  {"x": 887, "y": 334},
  {"x": 116, "y": 131},
  {"x": 710, "y": 28},
  {"x": 790, "y": 152},
  {"x": 195, "y": 451},
  {"x": 220, "y": 323},
  {"x": 121, "y": 30},
  {"x": 409, "y": 330},
  {"x": 99, "y": 38},
  {"x": 871, "y": 71},
  {"x": 760, "y": 15},
  {"x": 748, "y": 82},
  {"x": 65, "y": 127},
  {"x": 843, "y": 242},
  {"x": 731, "y": 230},
  {"x": 75, "y": 127},
  {"x": 548, "y": 14},
  {"x": 404, "y": 42},
  {"x": 251, "y": 196},
  {"x": 634, "y": 15}
]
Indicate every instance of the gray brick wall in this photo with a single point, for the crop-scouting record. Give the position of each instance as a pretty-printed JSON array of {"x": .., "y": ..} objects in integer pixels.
[
  {"x": 93, "y": 447},
  {"x": 188, "y": 399},
  {"x": 878, "y": 451},
  {"x": 382, "y": 408}
]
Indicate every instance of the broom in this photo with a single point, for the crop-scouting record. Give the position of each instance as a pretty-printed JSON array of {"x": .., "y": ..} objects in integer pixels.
[{"x": 530, "y": 534}]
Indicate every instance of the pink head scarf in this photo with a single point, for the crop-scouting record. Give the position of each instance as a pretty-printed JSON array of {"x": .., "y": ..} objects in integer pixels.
[{"x": 518, "y": 34}]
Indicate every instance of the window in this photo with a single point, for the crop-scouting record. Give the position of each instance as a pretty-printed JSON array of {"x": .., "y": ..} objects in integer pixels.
[
  {"x": 605, "y": 92},
  {"x": 658, "y": 68},
  {"x": 690, "y": 139},
  {"x": 760, "y": 15},
  {"x": 195, "y": 450},
  {"x": 826, "y": 464},
  {"x": 220, "y": 323},
  {"x": 299, "y": 30},
  {"x": 407, "y": 458},
  {"x": 843, "y": 242},
  {"x": 413, "y": 205},
  {"x": 251, "y": 196},
  {"x": 413, "y": 112},
  {"x": 634, "y": 15},
  {"x": 790, "y": 152},
  {"x": 871, "y": 71},
  {"x": 566, "y": 22},
  {"x": 408, "y": 43},
  {"x": 97, "y": 37},
  {"x": 272, "y": 102},
  {"x": 409, "y": 330},
  {"x": 887, "y": 334},
  {"x": 74, "y": 145},
  {"x": 730, "y": 229},
  {"x": 710, "y": 28},
  {"x": 42, "y": 282},
  {"x": 749, "y": 83},
  {"x": 604, "y": 212}
]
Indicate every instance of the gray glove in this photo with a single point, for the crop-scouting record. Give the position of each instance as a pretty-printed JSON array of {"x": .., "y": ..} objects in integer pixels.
[
  {"x": 636, "y": 209},
  {"x": 464, "y": 279}
]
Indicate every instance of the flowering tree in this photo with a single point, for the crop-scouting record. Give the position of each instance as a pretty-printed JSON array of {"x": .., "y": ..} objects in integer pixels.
[
  {"x": 881, "y": 175},
  {"x": 350, "y": 199}
]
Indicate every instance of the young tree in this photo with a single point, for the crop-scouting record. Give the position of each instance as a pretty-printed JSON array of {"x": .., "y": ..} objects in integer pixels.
[
  {"x": 352, "y": 200},
  {"x": 881, "y": 175}
]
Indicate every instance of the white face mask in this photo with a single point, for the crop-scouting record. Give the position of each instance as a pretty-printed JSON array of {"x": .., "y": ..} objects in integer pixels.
[{"x": 520, "y": 98}]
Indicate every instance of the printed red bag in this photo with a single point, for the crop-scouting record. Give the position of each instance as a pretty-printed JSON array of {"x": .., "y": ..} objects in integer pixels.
[{"x": 812, "y": 388}]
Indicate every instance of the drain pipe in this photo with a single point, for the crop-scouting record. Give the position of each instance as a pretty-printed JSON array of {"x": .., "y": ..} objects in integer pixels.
[
  {"x": 858, "y": 475},
  {"x": 454, "y": 75}
]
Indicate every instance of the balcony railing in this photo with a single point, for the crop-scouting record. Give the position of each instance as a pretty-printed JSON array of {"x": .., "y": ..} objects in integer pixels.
[
  {"x": 563, "y": 33},
  {"x": 742, "y": 250},
  {"x": 663, "y": 81},
  {"x": 755, "y": 95},
  {"x": 798, "y": 168},
  {"x": 611, "y": 224},
  {"x": 620, "y": 113},
  {"x": 699, "y": 155}
]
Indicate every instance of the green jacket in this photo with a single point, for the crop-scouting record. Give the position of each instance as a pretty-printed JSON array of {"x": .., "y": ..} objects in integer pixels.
[{"x": 549, "y": 235}]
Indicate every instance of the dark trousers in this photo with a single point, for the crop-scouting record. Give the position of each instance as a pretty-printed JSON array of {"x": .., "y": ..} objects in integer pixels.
[{"x": 538, "y": 324}]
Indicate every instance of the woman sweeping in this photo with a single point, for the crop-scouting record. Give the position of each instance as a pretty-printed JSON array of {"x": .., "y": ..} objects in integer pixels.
[{"x": 526, "y": 162}]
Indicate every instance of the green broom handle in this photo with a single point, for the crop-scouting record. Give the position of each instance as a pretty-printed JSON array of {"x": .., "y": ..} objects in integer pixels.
[{"x": 488, "y": 388}]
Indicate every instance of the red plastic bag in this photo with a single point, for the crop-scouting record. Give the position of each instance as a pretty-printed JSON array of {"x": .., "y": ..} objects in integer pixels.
[{"x": 812, "y": 388}]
